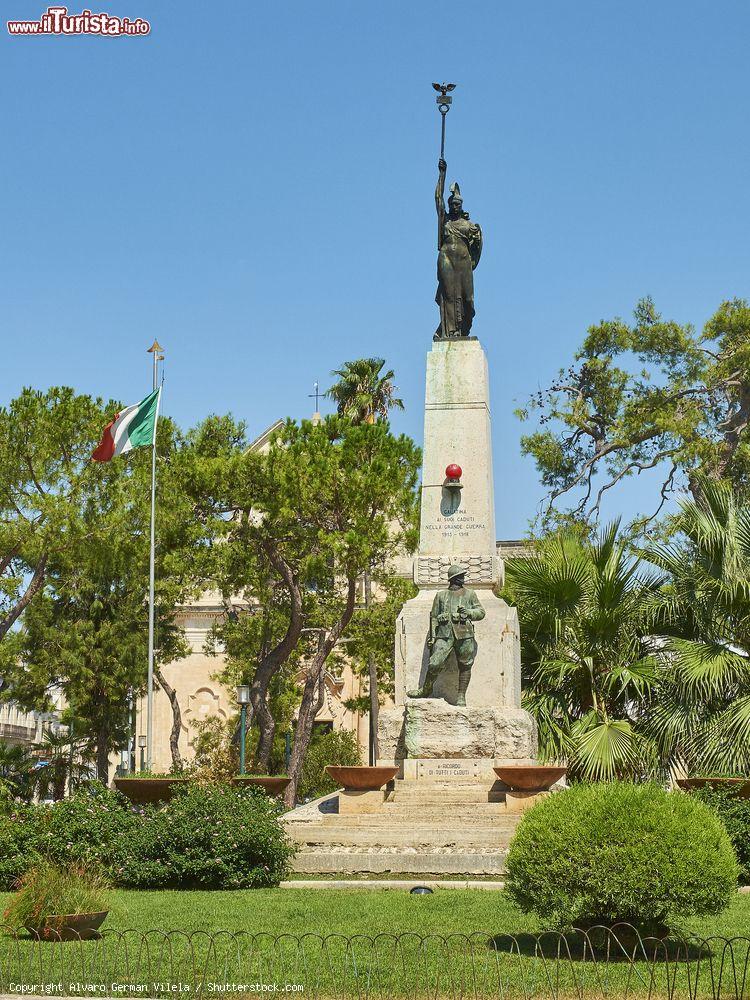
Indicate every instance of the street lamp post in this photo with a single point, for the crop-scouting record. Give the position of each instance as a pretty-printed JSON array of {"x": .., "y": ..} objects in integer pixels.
[
  {"x": 142, "y": 747},
  {"x": 243, "y": 700}
]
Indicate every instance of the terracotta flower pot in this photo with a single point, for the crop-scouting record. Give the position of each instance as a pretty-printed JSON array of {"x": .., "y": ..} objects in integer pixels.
[
  {"x": 529, "y": 777},
  {"x": 143, "y": 791},
  {"x": 69, "y": 926},
  {"x": 362, "y": 778},
  {"x": 740, "y": 785},
  {"x": 271, "y": 784}
]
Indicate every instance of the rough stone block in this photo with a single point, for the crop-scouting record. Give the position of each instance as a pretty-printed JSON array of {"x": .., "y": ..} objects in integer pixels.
[{"x": 430, "y": 727}]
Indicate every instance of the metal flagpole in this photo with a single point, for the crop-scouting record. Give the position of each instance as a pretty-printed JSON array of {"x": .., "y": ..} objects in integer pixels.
[{"x": 156, "y": 351}]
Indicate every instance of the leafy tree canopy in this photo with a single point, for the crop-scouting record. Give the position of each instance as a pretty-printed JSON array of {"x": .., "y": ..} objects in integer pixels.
[
  {"x": 652, "y": 394},
  {"x": 46, "y": 440}
]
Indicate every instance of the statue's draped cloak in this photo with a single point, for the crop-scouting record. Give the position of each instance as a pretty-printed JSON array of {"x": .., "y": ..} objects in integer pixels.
[{"x": 460, "y": 250}]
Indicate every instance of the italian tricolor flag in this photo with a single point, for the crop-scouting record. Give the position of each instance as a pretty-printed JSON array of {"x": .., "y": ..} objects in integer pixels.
[{"x": 133, "y": 427}]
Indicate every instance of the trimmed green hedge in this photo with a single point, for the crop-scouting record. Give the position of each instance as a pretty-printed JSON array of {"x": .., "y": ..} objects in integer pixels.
[
  {"x": 605, "y": 853},
  {"x": 734, "y": 813},
  {"x": 207, "y": 836}
]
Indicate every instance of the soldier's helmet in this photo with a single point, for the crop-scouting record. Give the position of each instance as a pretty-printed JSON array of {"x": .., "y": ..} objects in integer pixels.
[{"x": 455, "y": 570}]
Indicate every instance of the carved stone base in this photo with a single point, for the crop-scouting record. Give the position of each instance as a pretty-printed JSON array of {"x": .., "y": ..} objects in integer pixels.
[
  {"x": 520, "y": 802},
  {"x": 430, "y": 727},
  {"x": 354, "y": 803}
]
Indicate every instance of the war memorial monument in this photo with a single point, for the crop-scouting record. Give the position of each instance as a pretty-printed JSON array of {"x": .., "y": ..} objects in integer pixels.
[{"x": 457, "y": 705}]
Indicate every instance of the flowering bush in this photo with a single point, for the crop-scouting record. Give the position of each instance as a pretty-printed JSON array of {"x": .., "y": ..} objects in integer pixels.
[
  {"x": 207, "y": 836},
  {"x": 18, "y": 844}
]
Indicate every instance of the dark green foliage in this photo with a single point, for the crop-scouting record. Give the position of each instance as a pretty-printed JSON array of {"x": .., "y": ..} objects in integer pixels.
[
  {"x": 19, "y": 837},
  {"x": 734, "y": 813},
  {"x": 327, "y": 748},
  {"x": 699, "y": 715},
  {"x": 605, "y": 853},
  {"x": 584, "y": 606},
  {"x": 210, "y": 837}
]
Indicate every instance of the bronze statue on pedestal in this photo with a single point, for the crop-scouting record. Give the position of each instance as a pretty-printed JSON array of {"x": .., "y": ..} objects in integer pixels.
[
  {"x": 459, "y": 247},
  {"x": 452, "y": 618}
]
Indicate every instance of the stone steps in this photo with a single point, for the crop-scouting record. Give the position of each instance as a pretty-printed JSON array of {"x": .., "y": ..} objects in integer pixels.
[
  {"x": 423, "y": 828},
  {"x": 428, "y": 836},
  {"x": 424, "y": 818},
  {"x": 449, "y": 862},
  {"x": 446, "y": 796}
]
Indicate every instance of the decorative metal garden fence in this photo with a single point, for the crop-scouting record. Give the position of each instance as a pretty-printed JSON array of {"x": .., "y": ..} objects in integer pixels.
[{"x": 598, "y": 962}]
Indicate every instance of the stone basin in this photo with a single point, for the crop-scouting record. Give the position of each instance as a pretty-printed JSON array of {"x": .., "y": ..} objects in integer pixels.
[
  {"x": 529, "y": 777},
  {"x": 148, "y": 791},
  {"x": 362, "y": 779},
  {"x": 271, "y": 784},
  {"x": 740, "y": 785},
  {"x": 69, "y": 927}
]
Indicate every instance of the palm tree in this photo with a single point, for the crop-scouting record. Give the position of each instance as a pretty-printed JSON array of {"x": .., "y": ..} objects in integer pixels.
[
  {"x": 65, "y": 760},
  {"x": 585, "y": 609},
  {"x": 702, "y": 716},
  {"x": 362, "y": 393},
  {"x": 17, "y": 769}
]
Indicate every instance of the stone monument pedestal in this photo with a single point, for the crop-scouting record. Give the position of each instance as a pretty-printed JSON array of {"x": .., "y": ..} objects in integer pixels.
[
  {"x": 433, "y": 728},
  {"x": 457, "y": 526}
]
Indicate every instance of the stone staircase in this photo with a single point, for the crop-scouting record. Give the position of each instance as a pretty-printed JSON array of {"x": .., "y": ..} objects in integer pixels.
[{"x": 423, "y": 827}]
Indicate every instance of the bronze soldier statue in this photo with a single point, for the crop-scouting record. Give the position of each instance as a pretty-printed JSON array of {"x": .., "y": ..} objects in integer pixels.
[
  {"x": 452, "y": 618},
  {"x": 459, "y": 250}
]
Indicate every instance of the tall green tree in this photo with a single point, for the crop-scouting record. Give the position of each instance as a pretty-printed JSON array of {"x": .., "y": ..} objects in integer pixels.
[
  {"x": 586, "y": 609},
  {"x": 700, "y": 716},
  {"x": 86, "y": 630},
  {"x": 363, "y": 392},
  {"x": 308, "y": 517},
  {"x": 45, "y": 445},
  {"x": 652, "y": 394}
]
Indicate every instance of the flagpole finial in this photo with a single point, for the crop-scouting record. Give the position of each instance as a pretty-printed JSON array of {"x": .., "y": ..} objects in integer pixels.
[{"x": 155, "y": 348}]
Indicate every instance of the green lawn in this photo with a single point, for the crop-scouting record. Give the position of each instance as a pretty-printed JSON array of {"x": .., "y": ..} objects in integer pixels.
[
  {"x": 351, "y": 911},
  {"x": 183, "y": 947}
]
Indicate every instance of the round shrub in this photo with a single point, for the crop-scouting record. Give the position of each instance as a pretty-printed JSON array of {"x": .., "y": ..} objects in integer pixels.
[{"x": 605, "y": 853}]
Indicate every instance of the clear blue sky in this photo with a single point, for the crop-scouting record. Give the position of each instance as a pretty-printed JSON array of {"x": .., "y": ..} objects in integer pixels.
[{"x": 253, "y": 185}]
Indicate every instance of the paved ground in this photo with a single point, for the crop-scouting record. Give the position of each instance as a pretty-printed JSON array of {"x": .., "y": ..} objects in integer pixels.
[{"x": 392, "y": 883}]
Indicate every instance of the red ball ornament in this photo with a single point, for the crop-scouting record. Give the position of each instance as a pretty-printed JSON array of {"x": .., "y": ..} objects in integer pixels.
[{"x": 453, "y": 471}]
